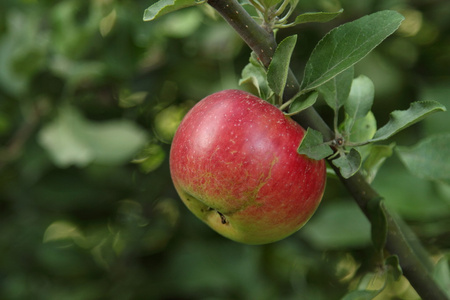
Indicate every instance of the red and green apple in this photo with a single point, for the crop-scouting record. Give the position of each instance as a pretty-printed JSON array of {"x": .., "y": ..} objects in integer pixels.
[{"x": 235, "y": 165}]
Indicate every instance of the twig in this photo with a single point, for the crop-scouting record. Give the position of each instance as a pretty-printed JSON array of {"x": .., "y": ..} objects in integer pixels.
[
  {"x": 264, "y": 45},
  {"x": 20, "y": 137}
]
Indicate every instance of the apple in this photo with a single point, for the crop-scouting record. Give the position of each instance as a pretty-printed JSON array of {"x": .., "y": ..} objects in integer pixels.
[{"x": 235, "y": 165}]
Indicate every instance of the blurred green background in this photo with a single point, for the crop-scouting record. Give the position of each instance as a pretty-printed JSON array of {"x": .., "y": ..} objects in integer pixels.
[{"x": 90, "y": 96}]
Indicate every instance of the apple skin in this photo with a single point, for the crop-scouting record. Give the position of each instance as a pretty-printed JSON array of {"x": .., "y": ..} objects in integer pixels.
[{"x": 235, "y": 165}]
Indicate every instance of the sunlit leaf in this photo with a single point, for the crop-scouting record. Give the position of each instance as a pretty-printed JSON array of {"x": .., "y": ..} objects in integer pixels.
[
  {"x": 60, "y": 230},
  {"x": 65, "y": 232},
  {"x": 370, "y": 285},
  {"x": 347, "y": 44},
  {"x": 400, "y": 119},
  {"x": 429, "y": 159},
  {"x": 313, "y": 146},
  {"x": 163, "y": 7}
]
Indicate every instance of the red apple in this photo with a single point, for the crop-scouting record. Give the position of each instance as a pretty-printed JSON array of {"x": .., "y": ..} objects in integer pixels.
[{"x": 235, "y": 165}]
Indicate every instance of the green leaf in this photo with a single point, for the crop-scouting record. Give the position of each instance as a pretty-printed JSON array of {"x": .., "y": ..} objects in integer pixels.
[
  {"x": 302, "y": 102},
  {"x": 336, "y": 91},
  {"x": 269, "y": 3},
  {"x": 428, "y": 159},
  {"x": 278, "y": 70},
  {"x": 360, "y": 99},
  {"x": 442, "y": 274},
  {"x": 348, "y": 164},
  {"x": 378, "y": 224},
  {"x": 254, "y": 78},
  {"x": 400, "y": 119},
  {"x": 320, "y": 17},
  {"x": 72, "y": 140},
  {"x": 374, "y": 160},
  {"x": 164, "y": 7},
  {"x": 347, "y": 44},
  {"x": 394, "y": 263},
  {"x": 370, "y": 285},
  {"x": 62, "y": 230},
  {"x": 361, "y": 295},
  {"x": 413, "y": 198},
  {"x": 180, "y": 24},
  {"x": 362, "y": 129},
  {"x": 313, "y": 146},
  {"x": 150, "y": 158},
  {"x": 338, "y": 225}
]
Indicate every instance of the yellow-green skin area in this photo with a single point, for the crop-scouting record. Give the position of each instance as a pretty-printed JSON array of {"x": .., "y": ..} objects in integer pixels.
[{"x": 235, "y": 165}]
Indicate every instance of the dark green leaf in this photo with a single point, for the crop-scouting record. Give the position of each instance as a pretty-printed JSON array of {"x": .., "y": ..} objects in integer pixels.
[
  {"x": 400, "y": 119},
  {"x": 394, "y": 263},
  {"x": 163, "y": 7},
  {"x": 347, "y": 44},
  {"x": 320, "y": 17},
  {"x": 302, "y": 102},
  {"x": 360, "y": 99},
  {"x": 428, "y": 159},
  {"x": 375, "y": 158},
  {"x": 336, "y": 90},
  {"x": 313, "y": 146},
  {"x": 279, "y": 66},
  {"x": 348, "y": 164}
]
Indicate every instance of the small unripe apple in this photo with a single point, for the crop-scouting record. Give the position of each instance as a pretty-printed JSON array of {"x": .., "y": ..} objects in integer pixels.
[{"x": 235, "y": 165}]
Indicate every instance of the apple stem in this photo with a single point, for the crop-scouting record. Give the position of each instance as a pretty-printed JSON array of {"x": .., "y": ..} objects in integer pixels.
[
  {"x": 401, "y": 241},
  {"x": 222, "y": 218}
]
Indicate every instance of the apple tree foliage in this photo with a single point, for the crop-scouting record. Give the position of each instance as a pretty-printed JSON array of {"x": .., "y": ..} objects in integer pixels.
[
  {"x": 329, "y": 72},
  {"x": 90, "y": 96}
]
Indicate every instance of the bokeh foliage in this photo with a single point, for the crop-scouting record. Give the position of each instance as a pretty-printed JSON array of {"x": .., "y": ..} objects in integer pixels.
[{"x": 90, "y": 96}]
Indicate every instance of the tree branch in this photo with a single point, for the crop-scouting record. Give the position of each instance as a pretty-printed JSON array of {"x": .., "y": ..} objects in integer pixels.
[{"x": 263, "y": 44}]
